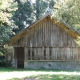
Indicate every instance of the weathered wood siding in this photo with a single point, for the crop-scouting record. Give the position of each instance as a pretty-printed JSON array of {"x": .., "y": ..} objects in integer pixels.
[
  {"x": 46, "y": 34},
  {"x": 52, "y": 53},
  {"x": 47, "y": 41}
]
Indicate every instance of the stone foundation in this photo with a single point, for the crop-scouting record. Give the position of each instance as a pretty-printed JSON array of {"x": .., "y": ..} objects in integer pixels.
[{"x": 56, "y": 65}]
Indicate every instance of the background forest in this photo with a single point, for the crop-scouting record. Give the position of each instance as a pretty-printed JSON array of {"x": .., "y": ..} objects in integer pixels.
[{"x": 15, "y": 15}]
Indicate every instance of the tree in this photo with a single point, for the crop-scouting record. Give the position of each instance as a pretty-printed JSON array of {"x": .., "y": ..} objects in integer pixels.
[
  {"x": 5, "y": 34},
  {"x": 23, "y": 15},
  {"x": 29, "y": 12},
  {"x": 51, "y": 7},
  {"x": 43, "y": 7},
  {"x": 6, "y": 10},
  {"x": 40, "y": 8},
  {"x": 68, "y": 12}
]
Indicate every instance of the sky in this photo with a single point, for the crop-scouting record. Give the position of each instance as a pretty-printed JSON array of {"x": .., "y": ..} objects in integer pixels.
[{"x": 33, "y": 1}]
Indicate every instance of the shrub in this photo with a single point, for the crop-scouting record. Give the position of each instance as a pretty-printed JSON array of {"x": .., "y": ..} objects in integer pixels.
[{"x": 3, "y": 61}]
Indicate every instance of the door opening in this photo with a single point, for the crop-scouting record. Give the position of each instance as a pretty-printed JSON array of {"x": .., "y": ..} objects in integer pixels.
[{"x": 20, "y": 57}]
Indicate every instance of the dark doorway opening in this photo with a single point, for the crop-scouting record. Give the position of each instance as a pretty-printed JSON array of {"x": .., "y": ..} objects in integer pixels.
[{"x": 20, "y": 57}]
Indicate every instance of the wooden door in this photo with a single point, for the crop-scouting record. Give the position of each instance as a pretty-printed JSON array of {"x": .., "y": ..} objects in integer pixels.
[{"x": 20, "y": 57}]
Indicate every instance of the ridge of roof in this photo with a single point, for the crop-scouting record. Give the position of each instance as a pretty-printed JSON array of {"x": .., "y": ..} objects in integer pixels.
[
  {"x": 33, "y": 23},
  {"x": 56, "y": 21},
  {"x": 29, "y": 26}
]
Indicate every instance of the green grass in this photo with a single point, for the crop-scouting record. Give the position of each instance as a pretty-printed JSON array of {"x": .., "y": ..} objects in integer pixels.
[
  {"x": 50, "y": 77},
  {"x": 15, "y": 79},
  {"x": 4, "y": 69}
]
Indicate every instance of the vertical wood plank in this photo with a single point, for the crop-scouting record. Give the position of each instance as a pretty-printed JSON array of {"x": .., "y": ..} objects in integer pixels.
[
  {"x": 36, "y": 53},
  {"x": 54, "y": 57},
  {"x": 26, "y": 53},
  {"x": 31, "y": 53},
  {"x": 47, "y": 53},
  {"x": 40, "y": 35},
  {"x": 50, "y": 53},
  {"x": 51, "y": 29},
  {"x": 78, "y": 49},
  {"x": 42, "y": 53},
  {"x": 39, "y": 53}
]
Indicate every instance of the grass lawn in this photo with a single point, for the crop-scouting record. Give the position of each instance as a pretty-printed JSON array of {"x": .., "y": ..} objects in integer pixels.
[
  {"x": 28, "y": 74},
  {"x": 4, "y": 69},
  {"x": 50, "y": 77}
]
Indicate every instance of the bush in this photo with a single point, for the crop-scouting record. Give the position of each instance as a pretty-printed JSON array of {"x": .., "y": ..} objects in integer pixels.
[{"x": 3, "y": 61}]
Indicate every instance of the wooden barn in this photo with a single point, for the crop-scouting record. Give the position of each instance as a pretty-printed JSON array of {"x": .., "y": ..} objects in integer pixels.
[{"x": 46, "y": 44}]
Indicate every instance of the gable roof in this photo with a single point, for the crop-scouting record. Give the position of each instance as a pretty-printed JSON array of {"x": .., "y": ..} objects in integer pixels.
[{"x": 54, "y": 20}]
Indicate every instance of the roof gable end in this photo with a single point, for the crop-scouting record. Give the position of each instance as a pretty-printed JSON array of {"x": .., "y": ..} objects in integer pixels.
[{"x": 55, "y": 21}]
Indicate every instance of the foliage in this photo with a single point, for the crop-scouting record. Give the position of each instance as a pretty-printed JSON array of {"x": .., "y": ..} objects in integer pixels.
[
  {"x": 3, "y": 61},
  {"x": 6, "y": 10},
  {"x": 5, "y": 34},
  {"x": 23, "y": 15},
  {"x": 40, "y": 7},
  {"x": 1, "y": 53},
  {"x": 7, "y": 7},
  {"x": 68, "y": 12},
  {"x": 29, "y": 12}
]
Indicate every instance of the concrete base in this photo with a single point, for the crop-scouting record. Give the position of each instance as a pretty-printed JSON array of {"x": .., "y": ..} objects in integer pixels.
[{"x": 56, "y": 65}]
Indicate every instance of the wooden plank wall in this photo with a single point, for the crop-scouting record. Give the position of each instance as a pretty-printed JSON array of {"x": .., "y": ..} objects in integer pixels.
[
  {"x": 47, "y": 41},
  {"x": 52, "y": 54},
  {"x": 46, "y": 34}
]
